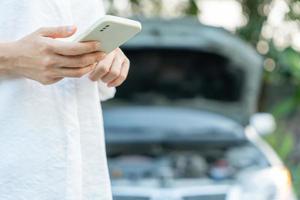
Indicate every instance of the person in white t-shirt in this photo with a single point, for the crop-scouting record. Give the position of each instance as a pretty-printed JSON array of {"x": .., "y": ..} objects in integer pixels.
[{"x": 51, "y": 129}]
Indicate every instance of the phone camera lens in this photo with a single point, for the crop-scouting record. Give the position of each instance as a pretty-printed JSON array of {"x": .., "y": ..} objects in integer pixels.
[{"x": 103, "y": 29}]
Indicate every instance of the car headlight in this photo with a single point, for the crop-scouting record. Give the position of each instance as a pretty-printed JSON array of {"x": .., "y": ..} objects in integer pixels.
[
  {"x": 284, "y": 183},
  {"x": 269, "y": 184}
]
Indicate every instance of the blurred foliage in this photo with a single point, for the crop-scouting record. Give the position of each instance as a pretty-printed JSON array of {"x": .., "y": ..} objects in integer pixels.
[
  {"x": 254, "y": 12},
  {"x": 154, "y": 8},
  {"x": 282, "y": 64},
  {"x": 284, "y": 143}
]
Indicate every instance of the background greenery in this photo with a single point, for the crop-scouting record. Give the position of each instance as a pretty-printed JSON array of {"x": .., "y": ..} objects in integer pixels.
[{"x": 281, "y": 89}]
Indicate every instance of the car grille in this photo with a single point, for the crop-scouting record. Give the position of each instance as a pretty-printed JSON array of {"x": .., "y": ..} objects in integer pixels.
[
  {"x": 206, "y": 197},
  {"x": 130, "y": 198}
]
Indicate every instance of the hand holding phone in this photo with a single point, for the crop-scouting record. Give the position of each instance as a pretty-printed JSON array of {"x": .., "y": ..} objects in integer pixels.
[{"x": 111, "y": 32}]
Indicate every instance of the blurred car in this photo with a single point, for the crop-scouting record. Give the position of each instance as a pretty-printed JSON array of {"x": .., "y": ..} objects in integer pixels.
[{"x": 184, "y": 126}]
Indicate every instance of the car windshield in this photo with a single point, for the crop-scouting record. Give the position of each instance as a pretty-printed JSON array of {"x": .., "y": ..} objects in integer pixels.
[{"x": 171, "y": 74}]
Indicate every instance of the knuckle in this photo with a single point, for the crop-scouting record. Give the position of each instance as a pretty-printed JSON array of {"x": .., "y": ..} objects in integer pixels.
[
  {"x": 115, "y": 73},
  {"x": 127, "y": 61},
  {"x": 103, "y": 69},
  {"x": 118, "y": 83},
  {"x": 48, "y": 62},
  {"x": 118, "y": 50},
  {"x": 123, "y": 77},
  {"x": 113, "y": 53}
]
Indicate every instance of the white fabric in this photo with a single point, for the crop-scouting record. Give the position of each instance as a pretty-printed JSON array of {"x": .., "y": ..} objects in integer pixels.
[{"x": 51, "y": 137}]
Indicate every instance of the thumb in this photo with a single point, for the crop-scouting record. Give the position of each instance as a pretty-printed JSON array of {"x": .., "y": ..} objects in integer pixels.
[{"x": 57, "y": 32}]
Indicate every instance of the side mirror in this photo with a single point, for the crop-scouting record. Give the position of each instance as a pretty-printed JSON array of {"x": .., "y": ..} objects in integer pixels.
[{"x": 264, "y": 123}]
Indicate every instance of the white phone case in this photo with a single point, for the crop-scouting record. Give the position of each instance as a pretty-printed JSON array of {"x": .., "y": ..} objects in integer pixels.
[{"x": 111, "y": 32}]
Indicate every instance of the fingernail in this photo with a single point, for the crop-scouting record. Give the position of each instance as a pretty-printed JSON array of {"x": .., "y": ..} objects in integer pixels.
[{"x": 70, "y": 29}]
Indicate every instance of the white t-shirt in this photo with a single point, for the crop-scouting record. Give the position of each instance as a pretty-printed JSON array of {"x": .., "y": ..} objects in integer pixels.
[{"x": 51, "y": 137}]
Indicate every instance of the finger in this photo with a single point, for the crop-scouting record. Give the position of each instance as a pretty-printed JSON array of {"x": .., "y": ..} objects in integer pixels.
[
  {"x": 124, "y": 73},
  {"x": 73, "y": 72},
  {"x": 114, "y": 71},
  {"x": 74, "y": 48},
  {"x": 79, "y": 61},
  {"x": 57, "y": 32},
  {"x": 102, "y": 68},
  {"x": 55, "y": 80}
]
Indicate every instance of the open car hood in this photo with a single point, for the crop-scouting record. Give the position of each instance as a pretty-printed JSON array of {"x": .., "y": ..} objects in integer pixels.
[{"x": 192, "y": 65}]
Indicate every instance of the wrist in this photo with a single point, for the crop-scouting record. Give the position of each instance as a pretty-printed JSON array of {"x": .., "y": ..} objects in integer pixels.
[{"x": 6, "y": 58}]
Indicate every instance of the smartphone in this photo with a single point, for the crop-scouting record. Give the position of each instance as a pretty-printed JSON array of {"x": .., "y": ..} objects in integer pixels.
[{"x": 111, "y": 32}]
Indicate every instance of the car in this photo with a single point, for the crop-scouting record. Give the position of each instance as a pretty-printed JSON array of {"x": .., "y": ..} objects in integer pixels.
[{"x": 185, "y": 126}]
